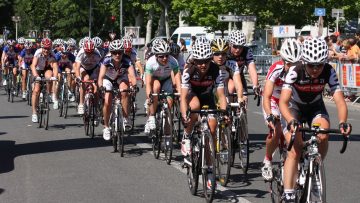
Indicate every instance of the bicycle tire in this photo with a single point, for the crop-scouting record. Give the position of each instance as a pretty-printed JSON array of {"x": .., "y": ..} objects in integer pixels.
[
  {"x": 86, "y": 118},
  {"x": 91, "y": 108},
  {"x": 209, "y": 149},
  {"x": 156, "y": 140},
  {"x": 244, "y": 145},
  {"x": 194, "y": 171},
  {"x": 120, "y": 131},
  {"x": 310, "y": 192},
  {"x": 177, "y": 122},
  {"x": 168, "y": 141},
  {"x": 61, "y": 98},
  {"x": 66, "y": 108},
  {"x": 40, "y": 110},
  {"x": 114, "y": 136},
  {"x": 223, "y": 150},
  {"x": 276, "y": 183},
  {"x": 47, "y": 113},
  {"x": 29, "y": 88},
  {"x": 133, "y": 113}
]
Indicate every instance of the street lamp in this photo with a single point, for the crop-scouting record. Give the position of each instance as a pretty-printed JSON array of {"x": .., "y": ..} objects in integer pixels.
[{"x": 16, "y": 19}]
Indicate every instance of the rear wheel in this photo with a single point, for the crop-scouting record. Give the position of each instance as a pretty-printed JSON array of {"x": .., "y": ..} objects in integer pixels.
[{"x": 224, "y": 155}]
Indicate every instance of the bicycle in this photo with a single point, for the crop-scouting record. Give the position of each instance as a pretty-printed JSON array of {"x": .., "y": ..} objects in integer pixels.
[
  {"x": 177, "y": 118},
  {"x": 202, "y": 154},
  {"x": 43, "y": 108},
  {"x": 117, "y": 119},
  {"x": 133, "y": 107},
  {"x": 163, "y": 119},
  {"x": 239, "y": 132},
  {"x": 64, "y": 95},
  {"x": 10, "y": 84},
  {"x": 29, "y": 88},
  {"x": 310, "y": 184},
  {"x": 90, "y": 108}
]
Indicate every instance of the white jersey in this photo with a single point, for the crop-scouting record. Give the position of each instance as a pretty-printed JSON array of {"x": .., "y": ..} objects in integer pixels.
[
  {"x": 88, "y": 62},
  {"x": 276, "y": 74},
  {"x": 44, "y": 61},
  {"x": 161, "y": 72}
]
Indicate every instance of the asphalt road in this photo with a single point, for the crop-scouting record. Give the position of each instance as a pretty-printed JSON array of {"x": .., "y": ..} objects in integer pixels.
[{"x": 63, "y": 165}]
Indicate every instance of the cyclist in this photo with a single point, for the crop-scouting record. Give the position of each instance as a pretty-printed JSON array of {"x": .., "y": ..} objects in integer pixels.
[
  {"x": 244, "y": 57},
  {"x": 71, "y": 46},
  {"x": 25, "y": 60},
  {"x": 200, "y": 80},
  {"x": 9, "y": 59},
  {"x": 301, "y": 99},
  {"x": 175, "y": 52},
  {"x": 131, "y": 52},
  {"x": 98, "y": 45},
  {"x": 159, "y": 71},
  {"x": 86, "y": 68},
  {"x": 230, "y": 68},
  {"x": 65, "y": 60},
  {"x": 116, "y": 70},
  {"x": 43, "y": 64},
  {"x": 290, "y": 53}
]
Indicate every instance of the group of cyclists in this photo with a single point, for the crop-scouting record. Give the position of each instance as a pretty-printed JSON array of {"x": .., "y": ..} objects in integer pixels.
[{"x": 210, "y": 76}]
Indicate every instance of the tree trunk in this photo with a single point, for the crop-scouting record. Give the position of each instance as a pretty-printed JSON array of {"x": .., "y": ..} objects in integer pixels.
[
  {"x": 164, "y": 20},
  {"x": 149, "y": 25},
  {"x": 161, "y": 27}
]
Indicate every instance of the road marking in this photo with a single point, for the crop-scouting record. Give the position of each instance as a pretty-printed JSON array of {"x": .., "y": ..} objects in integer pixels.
[
  {"x": 233, "y": 197},
  {"x": 258, "y": 112}
]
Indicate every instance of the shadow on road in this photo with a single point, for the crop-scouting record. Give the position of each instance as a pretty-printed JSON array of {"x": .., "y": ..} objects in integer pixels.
[
  {"x": 11, "y": 117},
  {"x": 9, "y": 150}
]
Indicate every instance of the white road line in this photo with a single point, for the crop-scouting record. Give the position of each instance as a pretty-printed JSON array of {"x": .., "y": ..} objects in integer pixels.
[{"x": 223, "y": 190}]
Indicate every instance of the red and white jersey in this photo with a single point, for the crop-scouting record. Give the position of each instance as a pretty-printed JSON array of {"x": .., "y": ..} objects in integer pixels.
[{"x": 276, "y": 74}]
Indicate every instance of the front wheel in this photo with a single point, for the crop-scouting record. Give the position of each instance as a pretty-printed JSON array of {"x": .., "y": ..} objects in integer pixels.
[
  {"x": 168, "y": 139},
  {"x": 209, "y": 169},
  {"x": 315, "y": 189},
  {"x": 224, "y": 155},
  {"x": 244, "y": 153},
  {"x": 194, "y": 171},
  {"x": 46, "y": 113},
  {"x": 157, "y": 135}
]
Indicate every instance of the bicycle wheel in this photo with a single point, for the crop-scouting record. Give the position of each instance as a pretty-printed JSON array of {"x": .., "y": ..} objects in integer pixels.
[
  {"x": 209, "y": 168},
  {"x": 133, "y": 113},
  {"x": 157, "y": 136},
  {"x": 61, "y": 98},
  {"x": 10, "y": 88},
  {"x": 29, "y": 89},
  {"x": 120, "y": 131},
  {"x": 315, "y": 184},
  {"x": 86, "y": 119},
  {"x": 65, "y": 108},
  {"x": 276, "y": 184},
  {"x": 168, "y": 141},
  {"x": 46, "y": 112},
  {"x": 176, "y": 122},
  {"x": 91, "y": 108},
  {"x": 40, "y": 111},
  {"x": 194, "y": 171},
  {"x": 244, "y": 145},
  {"x": 223, "y": 155}
]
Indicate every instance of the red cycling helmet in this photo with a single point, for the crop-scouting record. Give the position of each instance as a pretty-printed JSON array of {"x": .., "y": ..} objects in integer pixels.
[
  {"x": 46, "y": 43},
  {"x": 89, "y": 46},
  {"x": 127, "y": 45}
]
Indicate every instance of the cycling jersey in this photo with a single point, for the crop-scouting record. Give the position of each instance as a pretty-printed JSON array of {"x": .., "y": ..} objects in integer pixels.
[
  {"x": 192, "y": 79},
  {"x": 113, "y": 72},
  {"x": 44, "y": 61},
  {"x": 63, "y": 62},
  {"x": 11, "y": 57},
  {"x": 181, "y": 62},
  {"x": 229, "y": 69},
  {"x": 276, "y": 74},
  {"x": 307, "y": 90},
  {"x": 90, "y": 61},
  {"x": 244, "y": 59},
  {"x": 161, "y": 72},
  {"x": 27, "y": 58}
]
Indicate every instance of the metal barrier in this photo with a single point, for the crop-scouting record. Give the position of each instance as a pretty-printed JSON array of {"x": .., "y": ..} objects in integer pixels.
[
  {"x": 348, "y": 73},
  {"x": 263, "y": 63}
]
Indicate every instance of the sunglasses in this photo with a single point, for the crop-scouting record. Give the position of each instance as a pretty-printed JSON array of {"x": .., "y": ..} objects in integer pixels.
[
  {"x": 162, "y": 56},
  {"x": 315, "y": 65},
  {"x": 117, "y": 53},
  {"x": 203, "y": 61},
  {"x": 238, "y": 46},
  {"x": 219, "y": 54}
]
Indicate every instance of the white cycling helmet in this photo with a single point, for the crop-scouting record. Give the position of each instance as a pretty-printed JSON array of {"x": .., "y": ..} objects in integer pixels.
[
  {"x": 28, "y": 44},
  {"x": 201, "y": 51},
  {"x": 71, "y": 42},
  {"x": 202, "y": 40},
  {"x": 1, "y": 42},
  {"x": 160, "y": 48},
  {"x": 98, "y": 41},
  {"x": 128, "y": 37},
  {"x": 116, "y": 45},
  {"x": 58, "y": 42},
  {"x": 291, "y": 50},
  {"x": 315, "y": 51},
  {"x": 237, "y": 38},
  {"x": 21, "y": 40},
  {"x": 157, "y": 41}
]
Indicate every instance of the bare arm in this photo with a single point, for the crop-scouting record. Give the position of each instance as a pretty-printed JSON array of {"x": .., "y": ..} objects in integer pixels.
[
  {"x": 268, "y": 90},
  {"x": 101, "y": 75},
  {"x": 77, "y": 69},
  {"x": 183, "y": 101},
  {"x": 33, "y": 66},
  {"x": 253, "y": 74},
  {"x": 222, "y": 98},
  {"x": 131, "y": 75},
  {"x": 341, "y": 106},
  {"x": 284, "y": 105},
  {"x": 238, "y": 86}
]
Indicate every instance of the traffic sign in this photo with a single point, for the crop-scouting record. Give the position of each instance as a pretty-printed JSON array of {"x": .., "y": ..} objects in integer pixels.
[
  {"x": 320, "y": 12},
  {"x": 337, "y": 13},
  {"x": 283, "y": 31},
  {"x": 234, "y": 18}
]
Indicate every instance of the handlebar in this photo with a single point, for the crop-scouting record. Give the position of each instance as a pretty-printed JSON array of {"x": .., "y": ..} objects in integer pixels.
[{"x": 316, "y": 131}]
